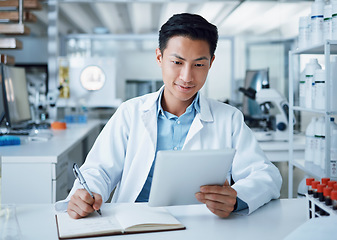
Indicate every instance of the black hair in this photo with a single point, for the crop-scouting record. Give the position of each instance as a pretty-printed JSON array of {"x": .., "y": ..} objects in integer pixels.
[{"x": 189, "y": 25}]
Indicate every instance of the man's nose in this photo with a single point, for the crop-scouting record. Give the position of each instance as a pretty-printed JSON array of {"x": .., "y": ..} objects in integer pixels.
[{"x": 186, "y": 74}]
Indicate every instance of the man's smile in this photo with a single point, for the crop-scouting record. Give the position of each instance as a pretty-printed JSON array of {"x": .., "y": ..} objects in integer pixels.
[{"x": 184, "y": 87}]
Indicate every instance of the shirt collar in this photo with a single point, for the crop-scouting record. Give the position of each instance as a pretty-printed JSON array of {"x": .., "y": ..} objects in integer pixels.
[{"x": 195, "y": 104}]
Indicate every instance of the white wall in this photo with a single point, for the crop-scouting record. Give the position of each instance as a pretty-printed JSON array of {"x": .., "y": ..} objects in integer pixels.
[
  {"x": 140, "y": 65},
  {"x": 133, "y": 65},
  {"x": 218, "y": 85}
]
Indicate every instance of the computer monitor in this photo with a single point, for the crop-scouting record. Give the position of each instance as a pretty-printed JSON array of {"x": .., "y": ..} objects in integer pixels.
[
  {"x": 16, "y": 102},
  {"x": 2, "y": 99},
  {"x": 255, "y": 79}
]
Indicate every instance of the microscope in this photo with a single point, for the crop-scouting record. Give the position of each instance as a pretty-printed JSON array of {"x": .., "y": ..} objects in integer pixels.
[{"x": 272, "y": 122}]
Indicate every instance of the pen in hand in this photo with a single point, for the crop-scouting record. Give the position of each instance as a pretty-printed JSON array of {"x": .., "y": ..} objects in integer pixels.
[{"x": 80, "y": 177}]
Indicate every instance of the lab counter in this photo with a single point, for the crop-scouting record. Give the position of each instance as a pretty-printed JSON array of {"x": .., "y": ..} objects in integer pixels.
[
  {"x": 40, "y": 171},
  {"x": 275, "y": 220}
]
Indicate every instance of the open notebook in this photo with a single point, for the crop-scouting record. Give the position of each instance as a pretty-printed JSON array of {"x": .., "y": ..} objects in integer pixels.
[{"x": 122, "y": 219}]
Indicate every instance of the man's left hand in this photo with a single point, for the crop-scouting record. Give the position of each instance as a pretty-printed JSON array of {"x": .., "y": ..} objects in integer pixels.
[{"x": 220, "y": 200}]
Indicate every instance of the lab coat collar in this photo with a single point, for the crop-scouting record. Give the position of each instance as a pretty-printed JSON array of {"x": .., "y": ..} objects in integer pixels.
[
  {"x": 205, "y": 110},
  {"x": 205, "y": 113},
  {"x": 151, "y": 100}
]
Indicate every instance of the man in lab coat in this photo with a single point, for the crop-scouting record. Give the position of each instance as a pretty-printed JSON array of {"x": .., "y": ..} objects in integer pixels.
[{"x": 177, "y": 117}]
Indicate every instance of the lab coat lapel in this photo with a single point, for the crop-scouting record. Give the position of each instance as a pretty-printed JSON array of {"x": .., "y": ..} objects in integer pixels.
[
  {"x": 205, "y": 115},
  {"x": 150, "y": 122},
  {"x": 194, "y": 129},
  {"x": 149, "y": 117}
]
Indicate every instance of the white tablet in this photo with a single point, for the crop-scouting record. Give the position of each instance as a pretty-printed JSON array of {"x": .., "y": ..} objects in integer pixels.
[{"x": 178, "y": 175}]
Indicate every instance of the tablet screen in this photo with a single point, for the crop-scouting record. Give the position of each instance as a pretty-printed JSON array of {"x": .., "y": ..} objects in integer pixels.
[{"x": 178, "y": 175}]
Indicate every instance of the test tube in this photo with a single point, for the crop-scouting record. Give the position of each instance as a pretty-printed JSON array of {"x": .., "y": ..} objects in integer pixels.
[
  {"x": 325, "y": 181},
  {"x": 334, "y": 199},
  {"x": 320, "y": 188},
  {"x": 327, "y": 195},
  {"x": 331, "y": 183},
  {"x": 335, "y": 187},
  {"x": 314, "y": 188},
  {"x": 308, "y": 183}
]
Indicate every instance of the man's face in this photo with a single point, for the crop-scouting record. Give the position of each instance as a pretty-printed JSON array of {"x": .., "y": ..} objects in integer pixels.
[{"x": 185, "y": 64}]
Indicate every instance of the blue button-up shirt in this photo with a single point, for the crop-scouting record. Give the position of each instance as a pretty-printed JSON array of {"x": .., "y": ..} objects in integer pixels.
[{"x": 171, "y": 135}]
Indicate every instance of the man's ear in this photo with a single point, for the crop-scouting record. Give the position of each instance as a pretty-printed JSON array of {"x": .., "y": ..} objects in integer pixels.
[
  {"x": 212, "y": 60},
  {"x": 159, "y": 56}
]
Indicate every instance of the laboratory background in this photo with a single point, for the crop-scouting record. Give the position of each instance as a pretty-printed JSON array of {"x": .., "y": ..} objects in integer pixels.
[{"x": 67, "y": 65}]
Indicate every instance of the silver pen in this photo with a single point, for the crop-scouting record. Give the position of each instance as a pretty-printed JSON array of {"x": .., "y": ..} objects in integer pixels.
[{"x": 80, "y": 177}]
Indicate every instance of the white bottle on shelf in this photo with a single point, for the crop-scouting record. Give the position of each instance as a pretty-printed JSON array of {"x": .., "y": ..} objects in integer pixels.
[
  {"x": 333, "y": 83},
  {"x": 318, "y": 91},
  {"x": 327, "y": 24},
  {"x": 334, "y": 20},
  {"x": 304, "y": 32},
  {"x": 310, "y": 141},
  {"x": 333, "y": 127},
  {"x": 309, "y": 80},
  {"x": 317, "y": 18},
  {"x": 319, "y": 145},
  {"x": 302, "y": 88},
  {"x": 333, "y": 146}
]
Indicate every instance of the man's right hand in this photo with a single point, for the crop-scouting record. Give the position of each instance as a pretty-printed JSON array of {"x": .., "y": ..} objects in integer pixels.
[{"x": 81, "y": 204}]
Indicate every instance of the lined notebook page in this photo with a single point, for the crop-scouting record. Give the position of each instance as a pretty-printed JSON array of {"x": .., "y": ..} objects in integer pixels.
[
  {"x": 141, "y": 214},
  {"x": 94, "y": 223}
]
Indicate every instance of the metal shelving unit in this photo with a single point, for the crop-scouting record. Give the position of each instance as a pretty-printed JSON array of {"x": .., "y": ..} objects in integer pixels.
[{"x": 328, "y": 48}]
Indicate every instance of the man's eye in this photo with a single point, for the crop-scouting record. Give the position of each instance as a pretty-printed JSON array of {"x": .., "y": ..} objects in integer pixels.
[
  {"x": 176, "y": 62},
  {"x": 199, "y": 65}
]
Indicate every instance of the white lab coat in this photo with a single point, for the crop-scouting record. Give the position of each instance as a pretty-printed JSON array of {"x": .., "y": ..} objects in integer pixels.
[{"x": 125, "y": 149}]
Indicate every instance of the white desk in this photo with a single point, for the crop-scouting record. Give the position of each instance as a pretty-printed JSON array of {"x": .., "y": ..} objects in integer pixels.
[
  {"x": 272, "y": 221},
  {"x": 278, "y": 151},
  {"x": 38, "y": 172}
]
